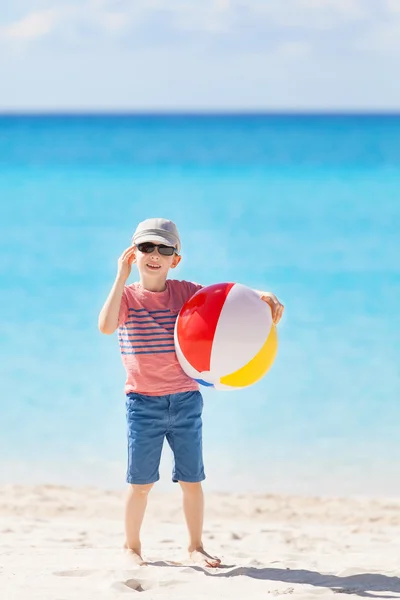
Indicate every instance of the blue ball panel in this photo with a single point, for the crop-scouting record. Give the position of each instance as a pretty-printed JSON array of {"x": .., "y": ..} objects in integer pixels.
[{"x": 204, "y": 383}]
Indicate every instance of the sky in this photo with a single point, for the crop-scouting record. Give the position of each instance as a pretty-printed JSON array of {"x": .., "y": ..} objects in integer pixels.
[{"x": 199, "y": 55}]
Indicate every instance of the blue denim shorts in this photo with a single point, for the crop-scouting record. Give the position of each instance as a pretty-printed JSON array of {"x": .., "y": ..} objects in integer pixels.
[{"x": 150, "y": 419}]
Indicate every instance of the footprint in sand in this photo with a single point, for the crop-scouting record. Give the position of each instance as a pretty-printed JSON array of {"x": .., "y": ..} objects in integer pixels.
[
  {"x": 74, "y": 573},
  {"x": 129, "y": 584},
  {"x": 121, "y": 586}
]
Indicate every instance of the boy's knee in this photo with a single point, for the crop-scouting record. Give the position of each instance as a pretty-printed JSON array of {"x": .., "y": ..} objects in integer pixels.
[
  {"x": 141, "y": 489},
  {"x": 190, "y": 487}
]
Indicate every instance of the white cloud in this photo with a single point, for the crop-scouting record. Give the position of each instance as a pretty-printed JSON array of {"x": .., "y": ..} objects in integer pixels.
[
  {"x": 393, "y": 6},
  {"x": 383, "y": 39},
  {"x": 382, "y": 36},
  {"x": 112, "y": 22},
  {"x": 33, "y": 26},
  {"x": 310, "y": 14},
  {"x": 293, "y": 50},
  {"x": 213, "y": 16},
  {"x": 209, "y": 16},
  {"x": 222, "y": 5},
  {"x": 345, "y": 8},
  {"x": 285, "y": 30},
  {"x": 66, "y": 19},
  {"x": 211, "y": 54}
]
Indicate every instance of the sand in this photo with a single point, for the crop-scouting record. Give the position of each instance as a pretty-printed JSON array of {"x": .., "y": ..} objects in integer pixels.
[{"x": 60, "y": 543}]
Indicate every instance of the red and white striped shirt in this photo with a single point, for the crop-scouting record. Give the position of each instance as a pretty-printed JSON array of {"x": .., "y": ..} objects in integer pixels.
[{"x": 146, "y": 337}]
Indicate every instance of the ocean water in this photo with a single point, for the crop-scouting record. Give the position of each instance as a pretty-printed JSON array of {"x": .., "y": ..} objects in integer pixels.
[{"x": 305, "y": 206}]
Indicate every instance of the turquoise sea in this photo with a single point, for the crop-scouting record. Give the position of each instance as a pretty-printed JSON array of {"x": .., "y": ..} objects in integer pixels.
[{"x": 307, "y": 206}]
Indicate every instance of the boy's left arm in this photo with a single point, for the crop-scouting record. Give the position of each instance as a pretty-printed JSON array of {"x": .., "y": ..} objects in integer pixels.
[{"x": 277, "y": 307}]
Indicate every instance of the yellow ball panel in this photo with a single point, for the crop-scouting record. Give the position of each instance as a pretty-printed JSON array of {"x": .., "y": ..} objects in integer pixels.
[{"x": 256, "y": 368}]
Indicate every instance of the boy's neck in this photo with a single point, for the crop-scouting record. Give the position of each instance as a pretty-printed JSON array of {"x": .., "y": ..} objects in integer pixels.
[{"x": 155, "y": 285}]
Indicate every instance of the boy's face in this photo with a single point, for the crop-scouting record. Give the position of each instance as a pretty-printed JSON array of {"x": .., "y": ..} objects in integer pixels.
[{"x": 155, "y": 265}]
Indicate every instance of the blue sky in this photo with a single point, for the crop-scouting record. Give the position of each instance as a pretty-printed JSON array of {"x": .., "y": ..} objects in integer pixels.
[{"x": 204, "y": 54}]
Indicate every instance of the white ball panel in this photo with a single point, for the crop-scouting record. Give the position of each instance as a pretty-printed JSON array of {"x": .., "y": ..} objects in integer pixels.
[{"x": 238, "y": 339}]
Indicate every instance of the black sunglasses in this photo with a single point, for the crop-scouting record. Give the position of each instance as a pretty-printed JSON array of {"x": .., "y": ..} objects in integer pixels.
[{"x": 149, "y": 247}]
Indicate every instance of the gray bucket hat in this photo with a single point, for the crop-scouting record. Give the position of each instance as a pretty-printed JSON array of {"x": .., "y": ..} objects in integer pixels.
[{"x": 157, "y": 230}]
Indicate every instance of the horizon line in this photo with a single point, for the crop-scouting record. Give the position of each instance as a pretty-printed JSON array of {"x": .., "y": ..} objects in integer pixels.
[{"x": 195, "y": 112}]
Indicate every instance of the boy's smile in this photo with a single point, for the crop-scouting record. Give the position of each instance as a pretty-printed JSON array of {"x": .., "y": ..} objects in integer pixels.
[{"x": 154, "y": 265}]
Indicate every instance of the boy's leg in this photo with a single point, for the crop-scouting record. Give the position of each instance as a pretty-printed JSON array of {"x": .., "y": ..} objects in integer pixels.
[
  {"x": 185, "y": 439},
  {"x": 147, "y": 419},
  {"x": 193, "y": 508},
  {"x": 135, "y": 506}
]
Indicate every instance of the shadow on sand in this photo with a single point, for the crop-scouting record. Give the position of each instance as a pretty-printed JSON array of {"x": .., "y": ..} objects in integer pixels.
[{"x": 360, "y": 585}]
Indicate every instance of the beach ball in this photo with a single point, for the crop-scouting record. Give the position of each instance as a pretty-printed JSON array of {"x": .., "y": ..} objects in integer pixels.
[{"x": 225, "y": 337}]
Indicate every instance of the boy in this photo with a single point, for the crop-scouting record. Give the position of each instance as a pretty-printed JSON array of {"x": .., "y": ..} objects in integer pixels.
[{"x": 162, "y": 401}]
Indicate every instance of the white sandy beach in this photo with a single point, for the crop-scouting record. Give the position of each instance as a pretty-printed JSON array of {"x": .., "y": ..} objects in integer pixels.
[{"x": 61, "y": 543}]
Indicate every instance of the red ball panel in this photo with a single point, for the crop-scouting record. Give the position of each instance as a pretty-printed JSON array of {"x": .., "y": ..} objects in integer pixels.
[{"x": 197, "y": 322}]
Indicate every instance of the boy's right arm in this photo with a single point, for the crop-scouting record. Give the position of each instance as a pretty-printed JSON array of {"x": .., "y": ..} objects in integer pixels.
[{"x": 109, "y": 314}]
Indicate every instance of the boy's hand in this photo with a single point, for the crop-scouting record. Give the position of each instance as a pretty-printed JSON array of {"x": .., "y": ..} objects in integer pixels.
[
  {"x": 125, "y": 262},
  {"x": 276, "y": 307}
]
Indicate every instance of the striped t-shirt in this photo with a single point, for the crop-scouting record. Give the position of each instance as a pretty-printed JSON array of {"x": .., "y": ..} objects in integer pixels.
[{"x": 146, "y": 337}]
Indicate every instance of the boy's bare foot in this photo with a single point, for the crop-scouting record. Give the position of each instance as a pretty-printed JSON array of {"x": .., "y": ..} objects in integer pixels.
[
  {"x": 135, "y": 556},
  {"x": 200, "y": 557}
]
